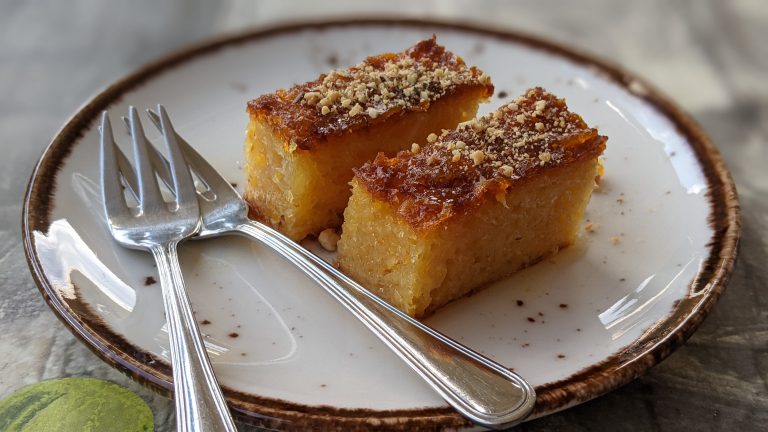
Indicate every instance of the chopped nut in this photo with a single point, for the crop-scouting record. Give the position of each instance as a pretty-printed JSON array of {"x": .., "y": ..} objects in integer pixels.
[
  {"x": 507, "y": 171},
  {"x": 328, "y": 239},
  {"x": 312, "y": 98},
  {"x": 539, "y": 126},
  {"x": 477, "y": 157},
  {"x": 456, "y": 156},
  {"x": 357, "y": 109},
  {"x": 431, "y": 138},
  {"x": 520, "y": 118},
  {"x": 373, "y": 113},
  {"x": 415, "y": 148},
  {"x": 325, "y": 110}
]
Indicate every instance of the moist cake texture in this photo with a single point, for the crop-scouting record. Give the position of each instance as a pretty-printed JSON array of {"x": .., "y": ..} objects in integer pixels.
[
  {"x": 303, "y": 142},
  {"x": 471, "y": 205}
]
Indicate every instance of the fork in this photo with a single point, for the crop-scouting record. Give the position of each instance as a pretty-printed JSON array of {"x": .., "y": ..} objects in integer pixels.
[
  {"x": 478, "y": 388},
  {"x": 152, "y": 226}
]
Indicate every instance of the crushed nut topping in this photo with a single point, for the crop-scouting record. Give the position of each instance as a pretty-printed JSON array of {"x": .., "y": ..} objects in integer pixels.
[
  {"x": 398, "y": 82},
  {"x": 489, "y": 153},
  {"x": 520, "y": 132},
  {"x": 377, "y": 88}
]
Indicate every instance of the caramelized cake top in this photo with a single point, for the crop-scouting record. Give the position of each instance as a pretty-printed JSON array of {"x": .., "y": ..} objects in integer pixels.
[
  {"x": 482, "y": 157},
  {"x": 383, "y": 86}
]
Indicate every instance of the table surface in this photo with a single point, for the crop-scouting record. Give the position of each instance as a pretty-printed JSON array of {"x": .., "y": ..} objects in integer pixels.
[{"x": 710, "y": 56}]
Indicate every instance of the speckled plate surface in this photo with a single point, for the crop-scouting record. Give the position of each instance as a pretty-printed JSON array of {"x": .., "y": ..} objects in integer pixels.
[{"x": 662, "y": 239}]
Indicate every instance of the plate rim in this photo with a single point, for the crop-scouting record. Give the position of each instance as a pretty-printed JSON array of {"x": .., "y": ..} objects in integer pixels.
[{"x": 642, "y": 354}]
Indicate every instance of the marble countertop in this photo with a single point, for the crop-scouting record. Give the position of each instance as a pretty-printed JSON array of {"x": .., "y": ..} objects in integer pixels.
[{"x": 710, "y": 56}]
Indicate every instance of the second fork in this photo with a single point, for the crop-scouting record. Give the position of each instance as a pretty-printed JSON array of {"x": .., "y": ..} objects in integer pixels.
[{"x": 156, "y": 227}]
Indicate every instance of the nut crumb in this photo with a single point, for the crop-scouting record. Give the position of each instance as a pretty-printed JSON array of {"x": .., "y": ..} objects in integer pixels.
[
  {"x": 456, "y": 156},
  {"x": 507, "y": 171},
  {"x": 477, "y": 157},
  {"x": 328, "y": 239}
]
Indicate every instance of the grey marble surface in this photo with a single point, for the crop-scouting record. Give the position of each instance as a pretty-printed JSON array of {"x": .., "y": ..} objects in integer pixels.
[{"x": 710, "y": 56}]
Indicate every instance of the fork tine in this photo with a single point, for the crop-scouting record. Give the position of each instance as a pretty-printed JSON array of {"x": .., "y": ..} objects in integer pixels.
[
  {"x": 111, "y": 189},
  {"x": 157, "y": 158},
  {"x": 126, "y": 170},
  {"x": 202, "y": 168},
  {"x": 186, "y": 194},
  {"x": 150, "y": 198}
]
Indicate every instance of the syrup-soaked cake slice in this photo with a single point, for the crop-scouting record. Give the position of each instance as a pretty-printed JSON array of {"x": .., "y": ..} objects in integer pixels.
[
  {"x": 302, "y": 143},
  {"x": 472, "y": 205}
]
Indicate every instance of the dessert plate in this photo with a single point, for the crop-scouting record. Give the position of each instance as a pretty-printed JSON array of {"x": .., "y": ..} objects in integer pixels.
[{"x": 656, "y": 251}]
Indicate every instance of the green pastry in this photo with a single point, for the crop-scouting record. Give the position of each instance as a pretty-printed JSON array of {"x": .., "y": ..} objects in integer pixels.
[{"x": 75, "y": 404}]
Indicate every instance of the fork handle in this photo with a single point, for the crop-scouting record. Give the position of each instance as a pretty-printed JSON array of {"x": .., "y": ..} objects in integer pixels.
[
  {"x": 478, "y": 388},
  {"x": 200, "y": 405}
]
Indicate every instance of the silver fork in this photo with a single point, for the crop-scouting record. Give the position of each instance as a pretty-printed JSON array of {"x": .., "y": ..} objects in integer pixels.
[
  {"x": 200, "y": 405},
  {"x": 478, "y": 388}
]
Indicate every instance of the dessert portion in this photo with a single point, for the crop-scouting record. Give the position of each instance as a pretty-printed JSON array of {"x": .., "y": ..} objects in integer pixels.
[
  {"x": 302, "y": 143},
  {"x": 472, "y": 205}
]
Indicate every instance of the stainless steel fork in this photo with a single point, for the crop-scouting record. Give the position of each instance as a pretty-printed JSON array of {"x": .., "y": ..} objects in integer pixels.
[
  {"x": 155, "y": 227},
  {"x": 478, "y": 388}
]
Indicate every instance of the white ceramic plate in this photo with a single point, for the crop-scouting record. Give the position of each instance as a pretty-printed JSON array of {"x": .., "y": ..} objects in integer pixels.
[{"x": 595, "y": 316}]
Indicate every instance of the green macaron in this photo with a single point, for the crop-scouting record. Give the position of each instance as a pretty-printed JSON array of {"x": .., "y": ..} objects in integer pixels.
[{"x": 75, "y": 404}]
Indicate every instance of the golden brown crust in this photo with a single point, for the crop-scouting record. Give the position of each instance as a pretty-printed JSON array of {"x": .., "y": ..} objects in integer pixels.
[
  {"x": 481, "y": 158},
  {"x": 383, "y": 86}
]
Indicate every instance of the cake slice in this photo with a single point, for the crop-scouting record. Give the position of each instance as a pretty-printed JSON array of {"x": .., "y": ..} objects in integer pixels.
[
  {"x": 472, "y": 205},
  {"x": 302, "y": 143}
]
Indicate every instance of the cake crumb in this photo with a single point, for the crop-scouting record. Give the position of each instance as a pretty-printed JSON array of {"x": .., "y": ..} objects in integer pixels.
[
  {"x": 615, "y": 240},
  {"x": 328, "y": 239},
  {"x": 591, "y": 227}
]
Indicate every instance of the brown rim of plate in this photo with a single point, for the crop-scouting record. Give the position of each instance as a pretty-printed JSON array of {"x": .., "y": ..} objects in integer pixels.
[{"x": 652, "y": 347}]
